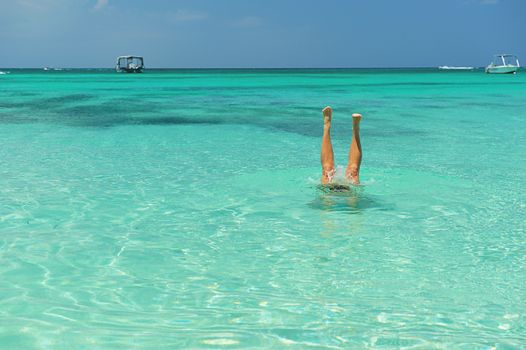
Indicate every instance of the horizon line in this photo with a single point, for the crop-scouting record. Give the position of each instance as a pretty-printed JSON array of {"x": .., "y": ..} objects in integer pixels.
[{"x": 57, "y": 68}]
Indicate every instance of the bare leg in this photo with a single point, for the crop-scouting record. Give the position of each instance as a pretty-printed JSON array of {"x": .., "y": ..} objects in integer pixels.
[
  {"x": 327, "y": 155},
  {"x": 355, "y": 153}
]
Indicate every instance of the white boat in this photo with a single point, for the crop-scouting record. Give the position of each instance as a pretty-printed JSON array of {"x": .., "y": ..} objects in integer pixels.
[
  {"x": 503, "y": 64},
  {"x": 455, "y": 68}
]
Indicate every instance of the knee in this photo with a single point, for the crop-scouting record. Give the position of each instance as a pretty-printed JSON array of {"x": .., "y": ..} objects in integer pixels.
[
  {"x": 327, "y": 168},
  {"x": 352, "y": 172}
]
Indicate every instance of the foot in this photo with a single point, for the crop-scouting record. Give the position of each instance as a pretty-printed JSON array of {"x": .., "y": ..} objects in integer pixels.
[
  {"x": 327, "y": 116},
  {"x": 356, "y": 118}
]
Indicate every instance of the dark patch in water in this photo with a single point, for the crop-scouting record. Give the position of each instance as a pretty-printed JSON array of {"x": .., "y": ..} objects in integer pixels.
[
  {"x": 44, "y": 103},
  {"x": 5, "y": 104},
  {"x": 173, "y": 121},
  {"x": 61, "y": 100},
  {"x": 507, "y": 104},
  {"x": 18, "y": 119},
  {"x": 435, "y": 106},
  {"x": 426, "y": 98},
  {"x": 22, "y": 93},
  {"x": 116, "y": 108},
  {"x": 298, "y": 119}
]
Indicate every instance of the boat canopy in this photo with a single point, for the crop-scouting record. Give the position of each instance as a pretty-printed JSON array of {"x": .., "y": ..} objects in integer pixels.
[
  {"x": 505, "y": 60},
  {"x": 130, "y": 63}
]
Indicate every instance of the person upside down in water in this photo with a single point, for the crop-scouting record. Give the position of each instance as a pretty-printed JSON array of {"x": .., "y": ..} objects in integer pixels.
[{"x": 352, "y": 172}]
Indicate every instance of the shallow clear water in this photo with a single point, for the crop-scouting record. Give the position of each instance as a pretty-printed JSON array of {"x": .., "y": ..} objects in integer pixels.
[{"x": 180, "y": 209}]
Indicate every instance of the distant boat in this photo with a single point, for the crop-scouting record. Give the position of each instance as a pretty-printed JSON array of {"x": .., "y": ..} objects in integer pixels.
[
  {"x": 503, "y": 64},
  {"x": 130, "y": 64},
  {"x": 455, "y": 68}
]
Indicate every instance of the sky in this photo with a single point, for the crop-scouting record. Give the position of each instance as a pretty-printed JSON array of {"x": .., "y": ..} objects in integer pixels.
[{"x": 260, "y": 33}]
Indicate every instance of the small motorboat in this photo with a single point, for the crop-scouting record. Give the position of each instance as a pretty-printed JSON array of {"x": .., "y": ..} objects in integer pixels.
[
  {"x": 130, "y": 64},
  {"x": 503, "y": 64}
]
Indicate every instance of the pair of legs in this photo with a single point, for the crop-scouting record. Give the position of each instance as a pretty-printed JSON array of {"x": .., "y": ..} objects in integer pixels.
[{"x": 327, "y": 156}]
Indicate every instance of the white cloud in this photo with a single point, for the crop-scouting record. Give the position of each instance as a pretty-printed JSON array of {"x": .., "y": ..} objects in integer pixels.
[
  {"x": 248, "y": 22},
  {"x": 101, "y": 4},
  {"x": 188, "y": 16}
]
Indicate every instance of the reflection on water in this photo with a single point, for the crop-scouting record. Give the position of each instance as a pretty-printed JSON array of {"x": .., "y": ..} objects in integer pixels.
[{"x": 350, "y": 199}]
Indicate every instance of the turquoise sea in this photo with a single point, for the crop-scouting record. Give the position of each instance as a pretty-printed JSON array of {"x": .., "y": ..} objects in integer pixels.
[{"x": 179, "y": 209}]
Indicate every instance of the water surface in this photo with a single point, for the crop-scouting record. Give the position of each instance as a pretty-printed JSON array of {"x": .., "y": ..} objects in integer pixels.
[{"x": 180, "y": 209}]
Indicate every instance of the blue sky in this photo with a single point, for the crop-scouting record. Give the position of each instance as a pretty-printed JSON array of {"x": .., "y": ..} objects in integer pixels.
[{"x": 266, "y": 33}]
